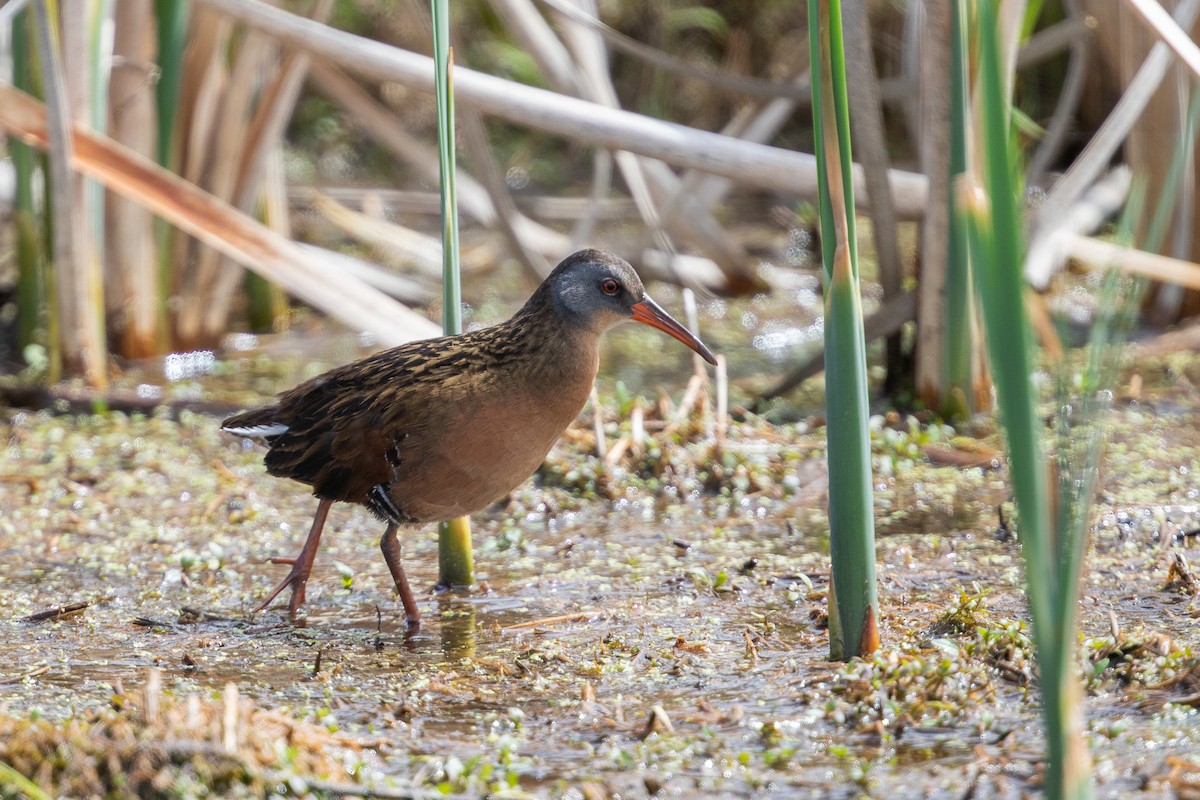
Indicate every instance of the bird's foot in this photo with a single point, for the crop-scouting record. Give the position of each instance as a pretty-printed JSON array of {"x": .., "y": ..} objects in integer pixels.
[{"x": 297, "y": 579}]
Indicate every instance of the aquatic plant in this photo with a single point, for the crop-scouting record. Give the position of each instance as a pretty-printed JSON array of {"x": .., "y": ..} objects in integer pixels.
[{"x": 853, "y": 608}]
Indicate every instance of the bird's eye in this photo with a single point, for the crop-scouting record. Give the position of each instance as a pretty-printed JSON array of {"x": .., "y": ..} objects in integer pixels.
[{"x": 609, "y": 286}]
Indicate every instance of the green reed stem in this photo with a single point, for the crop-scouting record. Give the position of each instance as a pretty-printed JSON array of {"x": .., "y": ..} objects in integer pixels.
[
  {"x": 959, "y": 391},
  {"x": 1052, "y": 556},
  {"x": 172, "y": 18},
  {"x": 32, "y": 291},
  {"x": 853, "y": 608},
  {"x": 456, "y": 564},
  {"x": 172, "y": 39}
]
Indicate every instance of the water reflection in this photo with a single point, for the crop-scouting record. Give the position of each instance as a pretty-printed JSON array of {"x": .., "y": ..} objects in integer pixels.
[
  {"x": 778, "y": 339},
  {"x": 458, "y": 626},
  {"x": 181, "y": 366}
]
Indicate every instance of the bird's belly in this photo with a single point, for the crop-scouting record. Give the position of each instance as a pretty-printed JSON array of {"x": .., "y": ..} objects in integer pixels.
[{"x": 479, "y": 461}]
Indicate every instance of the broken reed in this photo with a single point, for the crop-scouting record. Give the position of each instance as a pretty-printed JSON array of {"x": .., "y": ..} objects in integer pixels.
[
  {"x": 456, "y": 563},
  {"x": 853, "y": 608}
]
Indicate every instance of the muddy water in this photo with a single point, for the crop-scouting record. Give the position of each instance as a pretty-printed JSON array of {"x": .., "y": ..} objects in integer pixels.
[{"x": 591, "y": 613}]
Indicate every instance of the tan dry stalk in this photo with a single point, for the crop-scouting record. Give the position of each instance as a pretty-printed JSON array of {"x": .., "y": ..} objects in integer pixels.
[
  {"x": 216, "y": 223},
  {"x": 474, "y": 134},
  {"x": 930, "y": 352},
  {"x": 419, "y": 251},
  {"x": 749, "y": 163},
  {"x": 1099, "y": 254},
  {"x": 221, "y": 155},
  {"x": 654, "y": 186},
  {"x": 77, "y": 284},
  {"x": 382, "y": 125},
  {"x": 1169, "y": 31},
  {"x": 263, "y": 140},
  {"x": 133, "y": 288}
]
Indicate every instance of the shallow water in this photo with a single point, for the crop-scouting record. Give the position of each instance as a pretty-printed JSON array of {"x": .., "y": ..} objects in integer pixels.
[{"x": 707, "y": 605}]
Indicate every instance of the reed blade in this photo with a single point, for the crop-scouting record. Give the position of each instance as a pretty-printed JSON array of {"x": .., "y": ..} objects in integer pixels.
[{"x": 1052, "y": 556}]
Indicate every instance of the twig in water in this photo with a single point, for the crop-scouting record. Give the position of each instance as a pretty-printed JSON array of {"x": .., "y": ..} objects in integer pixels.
[
  {"x": 657, "y": 722},
  {"x": 637, "y": 427},
  {"x": 213, "y": 504},
  {"x": 598, "y": 424},
  {"x": 722, "y": 398},
  {"x": 229, "y": 725},
  {"x": 62, "y": 612},
  {"x": 617, "y": 451},
  {"x": 224, "y": 471},
  {"x": 151, "y": 693},
  {"x": 33, "y": 673},
  {"x": 578, "y": 616}
]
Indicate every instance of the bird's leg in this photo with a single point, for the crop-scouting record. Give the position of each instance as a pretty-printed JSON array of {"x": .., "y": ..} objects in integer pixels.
[
  {"x": 390, "y": 545},
  {"x": 302, "y": 565}
]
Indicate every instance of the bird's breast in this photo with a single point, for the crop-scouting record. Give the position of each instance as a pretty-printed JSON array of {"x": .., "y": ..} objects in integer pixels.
[{"x": 482, "y": 450}]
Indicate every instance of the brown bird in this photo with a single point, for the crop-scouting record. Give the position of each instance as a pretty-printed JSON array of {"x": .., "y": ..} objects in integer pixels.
[{"x": 440, "y": 428}]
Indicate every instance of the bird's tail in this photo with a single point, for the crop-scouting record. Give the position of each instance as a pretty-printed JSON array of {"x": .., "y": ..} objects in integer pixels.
[{"x": 258, "y": 423}]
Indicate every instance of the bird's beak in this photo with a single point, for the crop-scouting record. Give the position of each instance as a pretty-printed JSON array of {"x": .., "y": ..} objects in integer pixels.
[{"x": 651, "y": 313}]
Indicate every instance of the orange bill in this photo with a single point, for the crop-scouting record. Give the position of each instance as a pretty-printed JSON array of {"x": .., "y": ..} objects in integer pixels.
[{"x": 651, "y": 313}]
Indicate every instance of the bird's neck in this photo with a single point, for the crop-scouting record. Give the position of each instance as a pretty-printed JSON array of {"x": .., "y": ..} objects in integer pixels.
[{"x": 557, "y": 351}]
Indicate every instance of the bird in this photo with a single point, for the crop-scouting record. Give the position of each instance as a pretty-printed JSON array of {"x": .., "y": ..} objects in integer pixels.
[{"x": 440, "y": 428}]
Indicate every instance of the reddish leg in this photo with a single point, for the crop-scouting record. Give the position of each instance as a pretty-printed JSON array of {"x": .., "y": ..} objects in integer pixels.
[
  {"x": 390, "y": 545},
  {"x": 302, "y": 565}
]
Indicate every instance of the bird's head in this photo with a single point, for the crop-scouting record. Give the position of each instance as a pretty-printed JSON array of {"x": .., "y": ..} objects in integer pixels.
[{"x": 597, "y": 290}]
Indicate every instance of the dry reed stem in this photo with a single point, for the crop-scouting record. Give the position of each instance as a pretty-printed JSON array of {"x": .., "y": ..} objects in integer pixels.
[
  {"x": 1116, "y": 127},
  {"x": 479, "y": 150},
  {"x": 655, "y": 188},
  {"x": 418, "y": 251},
  {"x": 264, "y": 131},
  {"x": 1169, "y": 32},
  {"x": 78, "y": 287},
  {"x": 1098, "y": 254},
  {"x": 747, "y": 162},
  {"x": 383, "y": 126},
  {"x": 133, "y": 293},
  {"x": 183, "y": 204}
]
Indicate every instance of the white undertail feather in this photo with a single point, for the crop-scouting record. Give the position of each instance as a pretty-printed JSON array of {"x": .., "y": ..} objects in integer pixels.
[{"x": 258, "y": 431}]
